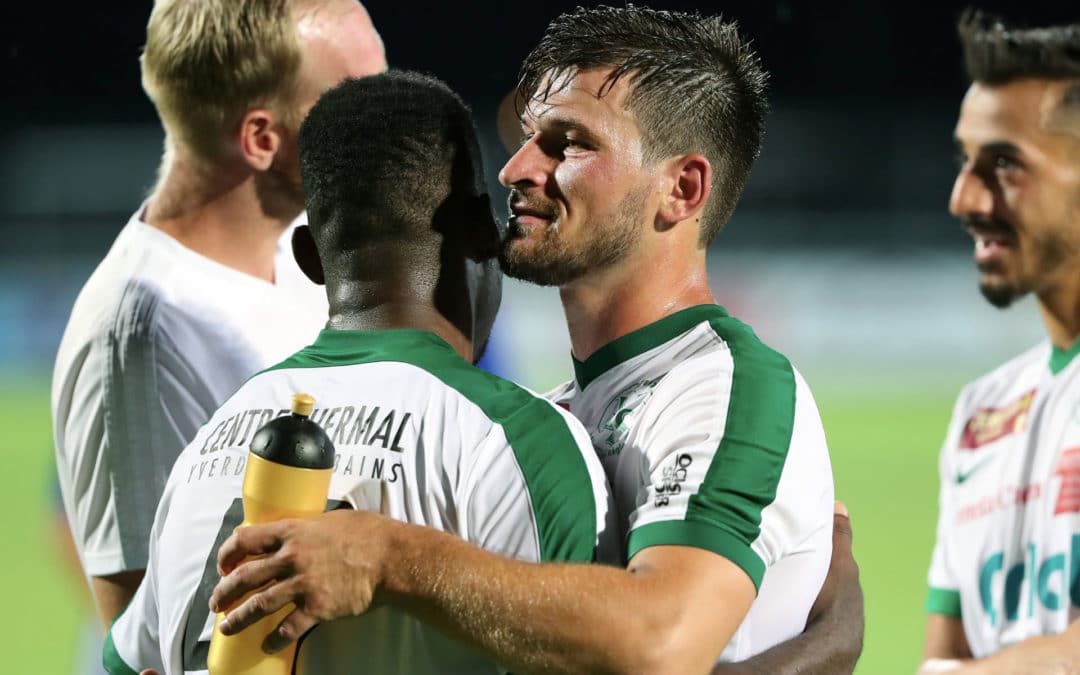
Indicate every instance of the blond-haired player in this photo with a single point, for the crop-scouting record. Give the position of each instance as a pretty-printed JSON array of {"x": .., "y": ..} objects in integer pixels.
[{"x": 199, "y": 290}]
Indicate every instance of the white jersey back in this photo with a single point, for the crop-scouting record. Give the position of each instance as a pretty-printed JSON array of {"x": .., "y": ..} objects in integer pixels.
[
  {"x": 158, "y": 337},
  {"x": 1007, "y": 556},
  {"x": 710, "y": 439},
  {"x": 421, "y": 436}
]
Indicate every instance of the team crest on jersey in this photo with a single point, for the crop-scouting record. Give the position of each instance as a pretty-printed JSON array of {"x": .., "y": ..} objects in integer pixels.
[
  {"x": 1068, "y": 467},
  {"x": 989, "y": 424},
  {"x": 610, "y": 434}
]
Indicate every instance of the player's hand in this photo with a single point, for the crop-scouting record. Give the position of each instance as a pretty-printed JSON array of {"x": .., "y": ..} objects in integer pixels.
[
  {"x": 329, "y": 567},
  {"x": 840, "y": 602}
]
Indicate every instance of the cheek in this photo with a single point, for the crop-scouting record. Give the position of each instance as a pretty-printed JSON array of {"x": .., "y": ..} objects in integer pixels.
[{"x": 590, "y": 181}]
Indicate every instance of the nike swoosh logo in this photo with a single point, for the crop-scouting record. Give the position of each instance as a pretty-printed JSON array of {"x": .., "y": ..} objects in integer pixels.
[{"x": 962, "y": 476}]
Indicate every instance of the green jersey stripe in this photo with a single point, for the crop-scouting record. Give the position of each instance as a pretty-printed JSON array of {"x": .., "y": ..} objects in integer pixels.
[
  {"x": 699, "y": 535},
  {"x": 549, "y": 456},
  {"x": 642, "y": 340},
  {"x": 744, "y": 473},
  {"x": 944, "y": 602},
  {"x": 114, "y": 665}
]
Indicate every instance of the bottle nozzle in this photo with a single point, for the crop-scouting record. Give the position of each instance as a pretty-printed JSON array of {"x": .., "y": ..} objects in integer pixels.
[{"x": 303, "y": 404}]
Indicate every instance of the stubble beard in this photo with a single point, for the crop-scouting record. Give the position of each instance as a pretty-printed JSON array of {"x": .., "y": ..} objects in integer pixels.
[
  {"x": 1052, "y": 251},
  {"x": 552, "y": 261}
]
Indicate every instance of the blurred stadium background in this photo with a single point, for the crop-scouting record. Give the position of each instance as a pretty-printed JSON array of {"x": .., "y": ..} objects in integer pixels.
[{"x": 841, "y": 254}]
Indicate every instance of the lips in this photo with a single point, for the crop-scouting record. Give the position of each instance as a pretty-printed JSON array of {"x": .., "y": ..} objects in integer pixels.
[{"x": 524, "y": 216}]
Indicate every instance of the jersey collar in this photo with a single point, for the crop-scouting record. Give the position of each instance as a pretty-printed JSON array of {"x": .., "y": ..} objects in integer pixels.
[
  {"x": 348, "y": 347},
  {"x": 642, "y": 340},
  {"x": 1061, "y": 358}
]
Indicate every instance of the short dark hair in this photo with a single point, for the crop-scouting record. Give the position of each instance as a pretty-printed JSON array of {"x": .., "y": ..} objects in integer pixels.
[
  {"x": 997, "y": 53},
  {"x": 696, "y": 86},
  {"x": 380, "y": 155}
]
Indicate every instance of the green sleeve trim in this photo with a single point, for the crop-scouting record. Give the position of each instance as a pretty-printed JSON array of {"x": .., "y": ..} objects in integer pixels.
[
  {"x": 114, "y": 665},
  {"x": 944, "y": 602},
  {"x": 743, "y": 475},
  {"x": 699, "y": 535}
]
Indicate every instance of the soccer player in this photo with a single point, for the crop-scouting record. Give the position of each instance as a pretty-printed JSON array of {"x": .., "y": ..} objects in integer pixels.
[
  {"x": 640, "y": 130},
  {"x": 199, "y": 290},
  {"x": 1005, "y": 573},
  {"x": 399, "y": 214}
]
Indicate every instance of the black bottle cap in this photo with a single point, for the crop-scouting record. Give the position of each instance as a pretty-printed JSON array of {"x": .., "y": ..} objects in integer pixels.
[{"x": 294, "y": 440}]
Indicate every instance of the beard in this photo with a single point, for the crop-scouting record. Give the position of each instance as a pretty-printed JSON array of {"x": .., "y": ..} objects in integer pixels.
[
  {"x": 554, "y": 261},
  {"x": 1051, "y": 251}
]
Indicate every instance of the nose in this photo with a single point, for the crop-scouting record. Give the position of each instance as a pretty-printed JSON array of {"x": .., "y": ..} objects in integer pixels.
[
  {"x": 970, "y": 194},
  {"x": 528, "y": 166}
]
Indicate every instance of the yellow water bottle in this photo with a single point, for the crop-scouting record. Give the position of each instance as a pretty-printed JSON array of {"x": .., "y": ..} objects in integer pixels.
[{"x": 287, "y": 476}]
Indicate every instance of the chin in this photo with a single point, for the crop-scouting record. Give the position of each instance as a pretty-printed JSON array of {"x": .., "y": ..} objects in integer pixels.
[{"x": 999, "y": 294}]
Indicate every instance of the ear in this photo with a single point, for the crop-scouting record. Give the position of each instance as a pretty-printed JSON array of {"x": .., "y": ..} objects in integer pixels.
[
  {"x": 307, "y": 254},
  {"x": 260, "y": 139},
  {"x": 690, "y": 184}
]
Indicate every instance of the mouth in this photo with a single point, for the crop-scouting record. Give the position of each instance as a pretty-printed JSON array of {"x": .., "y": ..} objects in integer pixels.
[
  {"x": 524, "y": 218},
  {"x": 991, "y": 243}
]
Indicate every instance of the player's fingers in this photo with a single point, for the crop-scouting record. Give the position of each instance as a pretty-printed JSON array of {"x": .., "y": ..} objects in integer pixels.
[
  {"x": 248, "y": 541},
  {"x": 288, "y": 631},
  {"x": 259, "y": 605},
  {"x": 842, "y": 524},
  {"x": 245, "y": 578}
]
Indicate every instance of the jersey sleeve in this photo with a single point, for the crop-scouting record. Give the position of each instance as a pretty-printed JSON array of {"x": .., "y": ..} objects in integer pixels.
[
  {"x": 714, "y": 444},
  {"x": 134, "y": 404},
  {"x": 133, "y": 641},
  {"x": 943, "y": 595},
  {"x": 537, "y": 491}
]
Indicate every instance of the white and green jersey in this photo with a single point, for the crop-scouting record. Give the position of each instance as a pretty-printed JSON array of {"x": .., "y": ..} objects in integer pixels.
[
  {"x": 1007, "y": 557},
  {"x": 421, "y": 436},
  {"x": 711, "y": 439}
]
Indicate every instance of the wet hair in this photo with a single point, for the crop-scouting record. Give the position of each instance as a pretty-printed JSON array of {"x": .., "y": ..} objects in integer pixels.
[
  {"x": 695, "y": 86},
  {"x": 381, "y": 155}
]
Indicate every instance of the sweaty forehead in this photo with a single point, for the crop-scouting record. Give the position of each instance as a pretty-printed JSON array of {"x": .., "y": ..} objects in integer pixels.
[{"x": 586, "y": 97}]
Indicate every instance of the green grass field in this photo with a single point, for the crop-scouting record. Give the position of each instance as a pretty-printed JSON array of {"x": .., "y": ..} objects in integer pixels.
[{"x": 884, "y": 454}]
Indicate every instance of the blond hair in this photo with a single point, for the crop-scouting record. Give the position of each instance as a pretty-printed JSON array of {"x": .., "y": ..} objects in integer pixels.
[{"x": 207, "y": 62}]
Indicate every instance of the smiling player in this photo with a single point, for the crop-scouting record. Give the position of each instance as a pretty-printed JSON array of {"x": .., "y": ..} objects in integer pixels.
[{"x": 1006, "y": 566}]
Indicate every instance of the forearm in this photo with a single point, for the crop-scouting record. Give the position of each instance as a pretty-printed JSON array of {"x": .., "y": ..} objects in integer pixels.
[
  {"x": 112, "y": 593},
  {"x": 564, "y": 618},
  {"x": 1043, "y": 655},
  {"x": 822, "y": 649}
]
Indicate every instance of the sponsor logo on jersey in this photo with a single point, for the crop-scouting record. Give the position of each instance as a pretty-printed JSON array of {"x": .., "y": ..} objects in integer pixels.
[
  {"x": 671, "y": 480},
  {"x": 1053, "y": 583},
  {"x": 990, "y": 424},
  {"x": 1068, "y": 467},
  {"x": 616, "y": 420},
  {"x": 1006, "y": 497}
]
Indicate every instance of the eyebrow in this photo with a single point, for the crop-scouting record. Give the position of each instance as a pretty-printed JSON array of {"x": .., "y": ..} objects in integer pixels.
[
  {"x": 993, "y": 147},
  {"x": 557, "y": 123}
]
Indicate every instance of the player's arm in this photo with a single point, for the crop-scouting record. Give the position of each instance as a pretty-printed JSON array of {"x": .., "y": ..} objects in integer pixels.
[
  {"x": 1043, "y": 655},
  {"x": 552, "y": 617},
  {"x": 833, "y": 639},
  {"x": 133, "y": 409}
]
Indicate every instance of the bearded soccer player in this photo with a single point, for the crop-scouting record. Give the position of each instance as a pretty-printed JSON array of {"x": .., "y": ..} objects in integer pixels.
[
  {"x": 200, "y": 290},
  {"x": 1005, "y": 574},
  {"x": 407, "y": 247},
  {"x": 641, "y": 128}
]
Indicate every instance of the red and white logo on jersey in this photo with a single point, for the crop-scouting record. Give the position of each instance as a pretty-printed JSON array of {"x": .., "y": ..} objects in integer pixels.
[
  {"x": 989, "y": 424},
  {"x": 1068, "y": 467}
]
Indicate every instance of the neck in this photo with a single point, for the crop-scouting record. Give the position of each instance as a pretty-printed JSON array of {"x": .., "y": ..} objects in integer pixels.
[
  {"x": 363, "y": 305},
  {"x": 605, "y": 306},
  {"x": 1061, "y": 315},
  {"x": 216, "y": 212}
]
